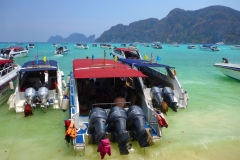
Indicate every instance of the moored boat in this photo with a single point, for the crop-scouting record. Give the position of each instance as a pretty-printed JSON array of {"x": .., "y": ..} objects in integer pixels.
[
  {"x": 237, "y": 47},
  {"x": 229, "y": 69},
  {"x": 94, "y": 45},
  {"x": 101, "y": 118},
  {"x": 54, "y": 45},
  {"x": 191, "y": 47},
  {"x": 31, "y": 45},
  {"x": 157, "y": 46},
  {"x": 132, "y": 46},
  {"x": 39, "y": 85},
  {"x": 126, "y": 53},
  {"x": 209, "y": 47},
  {"x": 8, "y": 78},
  {"x": 81, "y": 46},
  {"x": 106, "y": 46},
  {"x": 14, "y": 52}
]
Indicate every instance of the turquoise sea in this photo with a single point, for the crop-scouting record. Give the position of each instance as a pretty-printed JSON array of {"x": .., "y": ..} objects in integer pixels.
[{"x": 208, "y": 129}]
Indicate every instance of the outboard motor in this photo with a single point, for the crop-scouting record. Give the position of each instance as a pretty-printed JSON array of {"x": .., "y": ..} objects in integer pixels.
[
  {"x": 156, "y": 94},
  {"x": 97, "y": 124},
  {"x": 136, "y": 123},
  {"x": 43, "y": 96},
  {"x": 168, "y": 96},
  {"x": 29, "y": 95},
  {"x": 117, "y": 118}
]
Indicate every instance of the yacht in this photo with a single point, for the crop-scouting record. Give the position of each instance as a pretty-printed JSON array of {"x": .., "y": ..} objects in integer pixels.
[
  {"x": 31, "y": 45},
  {"x": 106, "y": 46},
  {"x": 191, "y": 47},
  {"x": 132, "y": 46}
]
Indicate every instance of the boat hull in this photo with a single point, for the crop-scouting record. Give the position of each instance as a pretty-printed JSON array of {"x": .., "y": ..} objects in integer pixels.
[
  {"x": 230, "y": 70},
  {"x": 5, "y": 90}
]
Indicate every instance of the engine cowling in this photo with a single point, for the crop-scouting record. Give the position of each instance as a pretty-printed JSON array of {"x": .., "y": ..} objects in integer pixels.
[
  {"x": 43, "y": 94},
  {"x": 29, "y": 95},
  {"x": 97, "y": 124}
]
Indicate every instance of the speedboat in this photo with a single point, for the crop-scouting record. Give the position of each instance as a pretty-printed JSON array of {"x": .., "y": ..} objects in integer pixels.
[
  {"x": 191, "y": 47},
  {"x": 100, "y": 118},
  {"x": 8, "y": 78},
  {"x": 145, "y": 44},
  {"x": 164, "y": 77},
  {"x": 81, "y": 46},
  {"x": 157, "y": 46},
  {"x": 132, "y": 46},
  {"x": 175, "y": 44},
  {"x": 31, "y": 45},
  {"x": 61, "y": 50},
  {"x": 39, "y": 85},
  {"x": 157, "y": 74},
  {"x": 237, "y": 47},
  {"x": 14, "y": 52},
  {"x": 94, "y": 44},
  {"x": 126, "y": 53},
  {"x": 209, "y": 47},
  {"x": 229, "y": 69},
  {"x": 54, "y": 45},
  {"x": 106, "y": 46}
]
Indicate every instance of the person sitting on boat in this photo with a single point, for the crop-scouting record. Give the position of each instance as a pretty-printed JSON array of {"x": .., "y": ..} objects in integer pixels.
[
  {"x": 120, "y": 100},
  {"x": 224, "y": 60}
]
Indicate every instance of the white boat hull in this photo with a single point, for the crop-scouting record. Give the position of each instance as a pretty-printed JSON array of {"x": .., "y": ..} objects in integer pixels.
[
  {"x": 234, "y": 47},
  {"x": 230, "y": 70},
  {"x": 4, "y": 84}
]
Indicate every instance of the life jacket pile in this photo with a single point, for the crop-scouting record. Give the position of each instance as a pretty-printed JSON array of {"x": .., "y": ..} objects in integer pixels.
[{"x": 71, "y": 131}]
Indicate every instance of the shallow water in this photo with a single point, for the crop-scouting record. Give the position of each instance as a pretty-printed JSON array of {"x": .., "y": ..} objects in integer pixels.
[{"x": 208, "y": 129}]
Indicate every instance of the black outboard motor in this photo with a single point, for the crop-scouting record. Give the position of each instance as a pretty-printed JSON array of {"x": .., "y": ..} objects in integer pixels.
[
  {"x": 168, "y": 96},
  {"x": 136, "y": 123},
  {"x": 97, "y": 124},
  {"x": 156, "y": 94},
  {"x": 117, "y": 118}
]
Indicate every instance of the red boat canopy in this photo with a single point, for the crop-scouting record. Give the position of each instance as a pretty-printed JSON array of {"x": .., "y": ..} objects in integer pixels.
[
  {"x": 86, "y": 68},
  {"x": 4, "y": 61}
]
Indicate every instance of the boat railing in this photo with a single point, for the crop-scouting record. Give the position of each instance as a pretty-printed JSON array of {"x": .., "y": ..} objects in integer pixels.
[{"x": 6, "y": 70}]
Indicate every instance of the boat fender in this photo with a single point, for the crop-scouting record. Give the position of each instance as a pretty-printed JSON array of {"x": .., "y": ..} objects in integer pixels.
[
  {"x": 68, "y": 79},
  {"x": 66, "y": 91},
  {"x": 65, "y": 103},
  {"x": 64, "y": 83},
  {"x": 11, "y": 85},
  {"x": 175, "y": 72}
]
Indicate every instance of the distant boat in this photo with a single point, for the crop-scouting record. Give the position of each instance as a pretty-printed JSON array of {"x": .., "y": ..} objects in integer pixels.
[
  {"x": 54, "y": 45},
  {"x": 191, "y": 47},
  {"x": 94, "y": 44},
  {"x": 219, "y": 43},
  {"x": 209, "y": 47},
  {"x": 81, "y": 46},
  {"x": 106, "y": 46},
  {"x": 132, "y": 46},
  {"x": 235, "y": 47},
  {"x": 31, "y": 45},
  {"x": 175, "y": 44}
]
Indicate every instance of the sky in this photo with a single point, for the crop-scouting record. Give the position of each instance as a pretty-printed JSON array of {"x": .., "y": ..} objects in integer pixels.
[{"x": 38, "y": 20}]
